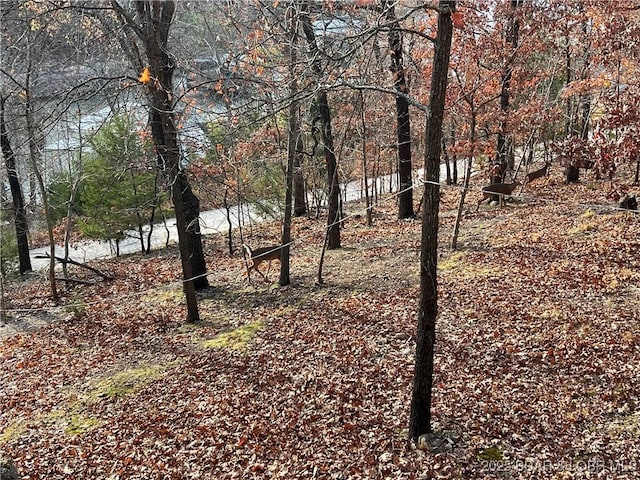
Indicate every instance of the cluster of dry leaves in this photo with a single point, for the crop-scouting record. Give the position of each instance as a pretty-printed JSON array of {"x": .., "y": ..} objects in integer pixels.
[{"x": 537, "y": 373}]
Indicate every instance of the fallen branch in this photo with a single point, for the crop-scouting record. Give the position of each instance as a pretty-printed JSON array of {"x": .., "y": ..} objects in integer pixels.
[
  {"x": 75, "y": 280},
  {"x": 78, "y": 264}
]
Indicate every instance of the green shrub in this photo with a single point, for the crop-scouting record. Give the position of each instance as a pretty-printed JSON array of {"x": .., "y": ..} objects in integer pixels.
[{"x": 8, "y": 250}]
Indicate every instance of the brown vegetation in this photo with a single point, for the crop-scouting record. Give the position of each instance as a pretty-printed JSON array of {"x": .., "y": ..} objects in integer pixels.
[{"x": 536, "y": 368}]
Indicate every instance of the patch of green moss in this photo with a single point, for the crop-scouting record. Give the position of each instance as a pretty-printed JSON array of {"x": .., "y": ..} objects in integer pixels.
[
  {"x": 12, "y": 431},
  {"x": 583, "y": 229},
  {"x": 629, "y": 424},
  {"x": 126, "y": 382},
  {"x": 450, "y": 263},
  {"x": 237, "y": 339},
  {"x": 171, "y": 296},
  {"x": 79, "y": 424},
  {"x": 491, "y": 454}
]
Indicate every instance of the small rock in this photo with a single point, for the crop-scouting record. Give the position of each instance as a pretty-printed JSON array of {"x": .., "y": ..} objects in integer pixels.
[
  {"x": 629, "y": 202},
  {"x": 8, "y": 470},
  {"x": 436, "y": 443}
]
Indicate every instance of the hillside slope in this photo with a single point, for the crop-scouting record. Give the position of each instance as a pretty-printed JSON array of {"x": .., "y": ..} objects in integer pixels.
[{"x": 537, "y": 361}]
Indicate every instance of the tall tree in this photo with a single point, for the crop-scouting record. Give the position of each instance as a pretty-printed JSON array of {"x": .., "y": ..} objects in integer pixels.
[
  {"x": 20, "y": 214},
  {"x": 403, "y": 124},
  {"x": 151, "y": 22},
  {"x": 324, "y": 114},
  {"x": 293, "y": 133},
  {"x": 420, "y": 419},
  {"x": 504, "y": 145}
]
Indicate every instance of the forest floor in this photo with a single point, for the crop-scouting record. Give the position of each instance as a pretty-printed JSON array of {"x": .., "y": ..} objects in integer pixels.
[{"x": 536, "y": 371}]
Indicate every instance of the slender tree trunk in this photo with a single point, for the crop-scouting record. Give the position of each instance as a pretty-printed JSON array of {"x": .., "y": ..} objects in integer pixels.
[
  {"x": 227, "y": 216},
  {"x": 445, "y": 158},
  {"x": 69, "y": 224},
  {"x": 364, "y": 163},
  {"x": 572, "y": 173},
  {"x": 19, "y": 210},
  {"x": 292, "y": 144},
  {"x": 467, "y": 178},
  {"x": 34, "y": 156},
  {"x": 420, "y": 419},
  {"x": 74, "y": 184},
  {"x": 403, "y": 125},
  {"x": 333, "y": 187},
  {"x": 454, "y": 157},
  {"x": 299, "y": 191},
  {"x": 152, "y": 217}
]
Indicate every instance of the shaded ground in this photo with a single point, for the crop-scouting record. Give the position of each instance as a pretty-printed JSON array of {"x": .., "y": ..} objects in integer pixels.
[{"x": 536, "y": 373}]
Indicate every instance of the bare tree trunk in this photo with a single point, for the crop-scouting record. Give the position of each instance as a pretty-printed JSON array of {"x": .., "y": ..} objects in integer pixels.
[
  {"x": 503, "y": 147},
  {"x": 74, "y": 185},
  {"x": 33, "y": 154},
  {"x": 300, "y": 206},
  {"x": 191, "y": 205},
  {"x": 292, "y": 144},
  {"x": 467, "y": 178},
  {"x": 20, "y": 214},
  {"x": 403, "y": 125},
  {"x": 333, "y": 187},
  {"x": 420, "y": 418},
  {"x": 364, "y": 163},
  {"x": 445, "y": 158},
  {"x": 155, "y": 20}
]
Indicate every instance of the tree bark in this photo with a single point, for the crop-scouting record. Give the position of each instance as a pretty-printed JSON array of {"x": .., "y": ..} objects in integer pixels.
[
  {"x": 194, "y": 235},
  {"x": 324, "y": 113},
  {"x": 403, "y": 125},
  {"x": 503, "y": 147},
  {"x": 155, "y": 21},
  {"x": 467, "y": 179},
  {"x": 420, "y": 418},
  {"x": 299, "y": 191},
  {"x": 365, "y": 174},
  {"x": 20, "y": 214},
  {"x": 34, "y": 157},
  {"x": 293, "y": 133}
]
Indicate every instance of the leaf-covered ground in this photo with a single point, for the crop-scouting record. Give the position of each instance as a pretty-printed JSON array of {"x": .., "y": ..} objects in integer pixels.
[{"x": 537, "y": 375}]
